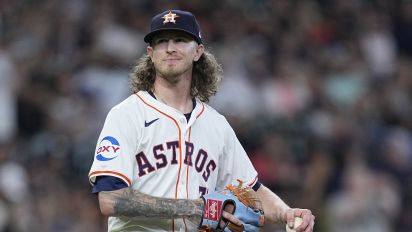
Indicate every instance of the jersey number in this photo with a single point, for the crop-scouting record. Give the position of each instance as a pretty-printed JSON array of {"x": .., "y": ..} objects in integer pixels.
[{"x": 203, "y": 190}]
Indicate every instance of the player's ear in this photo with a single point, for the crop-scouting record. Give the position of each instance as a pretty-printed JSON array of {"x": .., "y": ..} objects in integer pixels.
[
  {"x": 199, "y": 51},
  {"x": 149, "y": 51}
]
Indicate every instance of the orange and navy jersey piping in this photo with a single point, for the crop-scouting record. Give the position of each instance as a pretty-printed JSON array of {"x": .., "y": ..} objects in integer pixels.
[{"x": 180, "y": 150}]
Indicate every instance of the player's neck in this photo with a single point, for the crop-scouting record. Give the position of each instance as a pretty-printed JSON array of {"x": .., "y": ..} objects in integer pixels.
[{"x": 174, "y": 95}]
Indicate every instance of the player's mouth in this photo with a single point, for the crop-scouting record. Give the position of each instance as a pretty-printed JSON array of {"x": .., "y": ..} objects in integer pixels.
[{"x": 172, "y": 60}]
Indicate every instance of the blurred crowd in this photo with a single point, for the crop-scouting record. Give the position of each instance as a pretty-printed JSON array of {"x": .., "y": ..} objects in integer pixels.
[{"x": 319, "y": 93}]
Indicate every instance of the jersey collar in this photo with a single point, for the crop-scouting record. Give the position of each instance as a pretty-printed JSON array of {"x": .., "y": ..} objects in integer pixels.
[{"x": 198, "y": 106}]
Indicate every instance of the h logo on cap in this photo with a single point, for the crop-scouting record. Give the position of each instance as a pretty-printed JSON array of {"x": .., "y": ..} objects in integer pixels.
[{"x": 170, "y": 18}]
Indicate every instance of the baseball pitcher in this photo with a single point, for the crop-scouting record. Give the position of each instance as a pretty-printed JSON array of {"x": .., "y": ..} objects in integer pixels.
[{"x": 167, "y": 161}]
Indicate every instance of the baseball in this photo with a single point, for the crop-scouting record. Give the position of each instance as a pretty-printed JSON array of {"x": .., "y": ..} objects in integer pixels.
[{"x": 298, "y": 221}]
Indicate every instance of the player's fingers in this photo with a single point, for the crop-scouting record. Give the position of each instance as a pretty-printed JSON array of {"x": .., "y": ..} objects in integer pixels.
[
  {"x": 231, "y": 218},
  {"x": 311, "y": 225},
  {"x": 306, "y": 216},
  {"x": 230, "y": 208},
  {"x": 307, "y": 219},
  {"x": 290, "y": 217},
  {"x": 300, "y": 212}
]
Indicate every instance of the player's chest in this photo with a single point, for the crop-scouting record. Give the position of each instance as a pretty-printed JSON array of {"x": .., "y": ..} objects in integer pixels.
[
  {"x": 166, "y": 146},
  {"x": 175, "y": 135}
]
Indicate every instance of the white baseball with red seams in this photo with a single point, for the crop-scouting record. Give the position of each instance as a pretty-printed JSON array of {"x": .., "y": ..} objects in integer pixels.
[{"x": 141, "y": 143}]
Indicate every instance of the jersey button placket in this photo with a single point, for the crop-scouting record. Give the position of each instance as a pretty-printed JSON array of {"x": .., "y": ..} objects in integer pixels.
[
  {"x": 182, "y": 174},
  {"x": 185, "y": 134},
  {"x": 182, "y": 180}
]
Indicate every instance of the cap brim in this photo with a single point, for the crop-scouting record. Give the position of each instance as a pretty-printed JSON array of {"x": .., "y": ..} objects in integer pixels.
[{"x": 148, "y": 38}]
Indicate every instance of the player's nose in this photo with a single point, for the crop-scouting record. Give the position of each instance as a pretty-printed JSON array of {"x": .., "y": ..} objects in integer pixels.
[{"x": 171, "y": 45}]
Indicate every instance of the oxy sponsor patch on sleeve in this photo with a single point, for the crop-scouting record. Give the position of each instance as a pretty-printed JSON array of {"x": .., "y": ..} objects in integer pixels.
[{"x": 109, "y": 148}]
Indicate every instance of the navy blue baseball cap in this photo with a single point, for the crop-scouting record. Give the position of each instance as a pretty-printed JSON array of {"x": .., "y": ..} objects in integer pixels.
[{"x": 175, "y": 20}]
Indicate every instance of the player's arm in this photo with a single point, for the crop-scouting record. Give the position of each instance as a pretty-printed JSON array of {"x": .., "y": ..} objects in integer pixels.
[
  {"x": 274, "y": 207},
  {"x": 131, "y": 203},
  {"x": 277, "y": 211}
]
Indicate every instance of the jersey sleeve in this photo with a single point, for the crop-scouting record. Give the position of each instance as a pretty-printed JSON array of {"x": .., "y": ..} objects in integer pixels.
[
  {"x": 234, "y": 163},
  {"x": 108, "y": 183},
  {"x": 114, "y": 153}
]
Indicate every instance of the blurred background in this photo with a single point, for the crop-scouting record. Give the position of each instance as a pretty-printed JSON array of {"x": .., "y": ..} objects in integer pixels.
[{"x": 319, "y": 93}]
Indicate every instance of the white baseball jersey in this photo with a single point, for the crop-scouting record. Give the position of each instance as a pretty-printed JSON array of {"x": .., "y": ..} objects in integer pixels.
[{"x": 155, "y": 150}]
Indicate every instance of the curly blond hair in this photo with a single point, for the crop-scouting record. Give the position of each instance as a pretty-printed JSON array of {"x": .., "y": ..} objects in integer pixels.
[{"x": 207, "y": 73}]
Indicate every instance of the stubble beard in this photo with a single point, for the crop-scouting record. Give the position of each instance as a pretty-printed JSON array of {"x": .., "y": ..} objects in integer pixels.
[{"x": 172, "y": 78}]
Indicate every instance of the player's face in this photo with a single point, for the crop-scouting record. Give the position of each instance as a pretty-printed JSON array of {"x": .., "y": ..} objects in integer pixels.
[{"x": 173, "y": 54}]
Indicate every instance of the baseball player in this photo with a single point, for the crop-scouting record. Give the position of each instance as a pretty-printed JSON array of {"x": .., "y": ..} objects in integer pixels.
[{"x": 163, "y": 147}]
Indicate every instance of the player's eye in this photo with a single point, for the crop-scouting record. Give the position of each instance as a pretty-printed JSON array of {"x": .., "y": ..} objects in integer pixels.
[
  {"x": 182, "y": 39},
  {"x": 163, "y": 40},
  {"x": 159, "y": 41}
]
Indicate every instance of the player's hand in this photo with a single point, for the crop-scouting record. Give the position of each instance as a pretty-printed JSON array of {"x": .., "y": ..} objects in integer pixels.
[
  {"x": 308, "y": 219},
  {"x": 228, "y": 216},
  {"x": 234, "y": 223}
]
